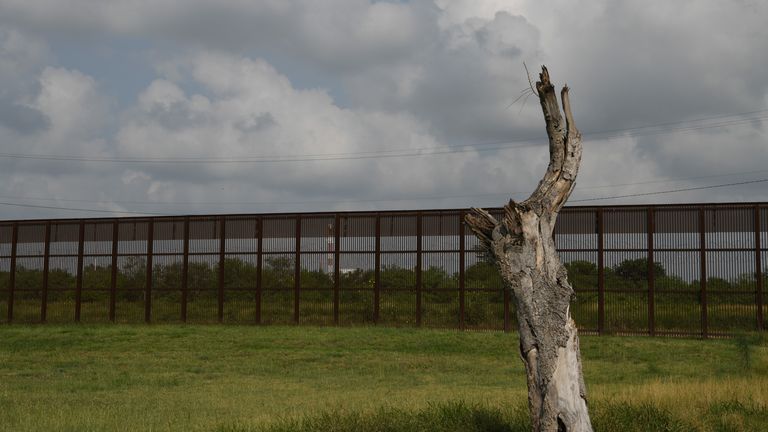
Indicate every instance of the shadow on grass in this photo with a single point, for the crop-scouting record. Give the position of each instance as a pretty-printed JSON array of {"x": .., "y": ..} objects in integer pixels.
[
  {"x": 448, "y": 417},
  {"x": 461, "y": 417}
]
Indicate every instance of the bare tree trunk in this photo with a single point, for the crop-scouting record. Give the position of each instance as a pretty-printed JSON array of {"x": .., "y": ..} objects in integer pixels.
[{"x": 523, "y": 248}]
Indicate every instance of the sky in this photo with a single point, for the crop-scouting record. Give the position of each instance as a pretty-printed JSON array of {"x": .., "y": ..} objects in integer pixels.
[{"x": 178, "y": 107}]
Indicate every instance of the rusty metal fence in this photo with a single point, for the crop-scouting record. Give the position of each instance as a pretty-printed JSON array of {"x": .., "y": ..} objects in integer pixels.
[{"x": 656, "y": 270}]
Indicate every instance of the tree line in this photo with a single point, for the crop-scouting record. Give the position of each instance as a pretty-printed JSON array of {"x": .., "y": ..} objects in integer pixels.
[{"x": 278, "y": 274}]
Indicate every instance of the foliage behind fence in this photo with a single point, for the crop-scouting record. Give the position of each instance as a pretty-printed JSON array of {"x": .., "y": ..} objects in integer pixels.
[{"x": 672, "y": 269}]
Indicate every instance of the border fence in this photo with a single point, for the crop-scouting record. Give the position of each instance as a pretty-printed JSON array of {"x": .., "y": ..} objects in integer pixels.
[{"x": 689, "y": 269}]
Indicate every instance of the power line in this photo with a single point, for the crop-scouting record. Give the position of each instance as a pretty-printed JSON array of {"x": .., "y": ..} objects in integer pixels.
[
  {"x": 671, "y": 180},
  {"x": 417, "y": 152},
  {"x": 354, "y": 201},
  {"x": 81, "y": 209},
  {"x": 578, "y": 188},
  {"x": 722, "y": 116},
  {"x": 669, "y": 191}
]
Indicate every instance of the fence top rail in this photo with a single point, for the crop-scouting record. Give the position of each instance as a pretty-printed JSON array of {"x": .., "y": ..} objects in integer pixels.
[{"x": 382, "y": 213}]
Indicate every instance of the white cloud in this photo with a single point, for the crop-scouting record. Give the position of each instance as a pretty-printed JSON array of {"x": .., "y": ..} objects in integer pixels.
[
  {"x": 457, "y": 12},
  {"x": 71, "y": 101},
  {"x": 73, "y": 118},
  {"x": 255, "y": 111},
  {"x": 48, "y": 110},
  {"x": 21, "y": 56}
]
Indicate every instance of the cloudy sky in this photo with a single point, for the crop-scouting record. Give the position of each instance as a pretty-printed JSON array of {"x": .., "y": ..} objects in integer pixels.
[{"x": 240, "y": 106}]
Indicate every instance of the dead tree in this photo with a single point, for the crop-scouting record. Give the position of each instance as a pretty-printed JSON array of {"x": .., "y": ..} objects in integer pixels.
[{"x": 523, "y": 248}]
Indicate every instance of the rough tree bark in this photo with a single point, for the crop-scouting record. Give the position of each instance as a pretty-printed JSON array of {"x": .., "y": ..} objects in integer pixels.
[{"x": 523, "y": 248}]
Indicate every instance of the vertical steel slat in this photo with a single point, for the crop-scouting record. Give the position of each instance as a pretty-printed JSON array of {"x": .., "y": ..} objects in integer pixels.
[
  {"x": 651, "y": 276},
  {"x": 113, "y": 272},
  {"x": 600, "y": 273},
  {"x": 377, "y": 272},
  {"x": 418, "y": 269},
  {"x": 462, "y": 285},
  {"x": 12, "y": 270},
  {"x": 148, "y": 286},
  {"x": 297, "y": 272},
  {"x": 79, "y": 283},
  {"x": 759, "y": 271},
  {"x": 46, "y": 271},
  {"x": 336, "y": 269},
  {"x": 703, "y": 259},
  {"x": 259, "y": 227},
  {"x": 222, "y": 249},
  {"x": 185, "y": 272}
]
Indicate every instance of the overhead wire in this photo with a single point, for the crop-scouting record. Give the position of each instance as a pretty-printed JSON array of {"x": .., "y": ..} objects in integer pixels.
[
  {"x": 736, "y": 119},
  {"x": 353, "y": 201},
  {"x": 680, "y": 126},
  {"x": 669, "y": 191},
  {"x": 418, "y": 198},
  {"x": 82, "y": 209}
]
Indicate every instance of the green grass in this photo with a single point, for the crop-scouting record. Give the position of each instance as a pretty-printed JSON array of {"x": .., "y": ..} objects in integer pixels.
[
  {"x": 248, "y": 378},
  {"x": 483, "y": 310}
]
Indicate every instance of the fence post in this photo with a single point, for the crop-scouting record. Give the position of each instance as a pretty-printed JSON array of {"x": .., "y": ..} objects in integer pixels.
[
  {"x": 759, "y": 271},
  {"x": 222, "y": 248},
  {"x": 600, "y": 273},
  {"x": 12, "y": 269},
  {"x": 185, "y": 272},
  {"x": 651, "y": 227},
  {"x": 418, "y": 269},
  {"x": 703, "y": 259},
  {"x": 462, "y": 285},
  {"x": 79, "y": 280},
  {"x": 336, "y": 268},
  {"x": 113, "y": 275},
  {"x": 377, "y": 272},
  {"x": 46, "y": 271},
  {"x": 259, "y": 227},
  {"x": 148, "y": 287},
  {"x": 297, "y": 272}
]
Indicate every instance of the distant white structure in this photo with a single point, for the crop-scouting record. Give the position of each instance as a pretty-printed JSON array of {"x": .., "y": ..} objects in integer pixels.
[{"x": 331, "y": 254}]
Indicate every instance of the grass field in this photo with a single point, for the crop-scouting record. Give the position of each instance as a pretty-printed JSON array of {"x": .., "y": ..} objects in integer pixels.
[
  {"x": 624, "y": 312},
  {"x": 248, "y": 378}
]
